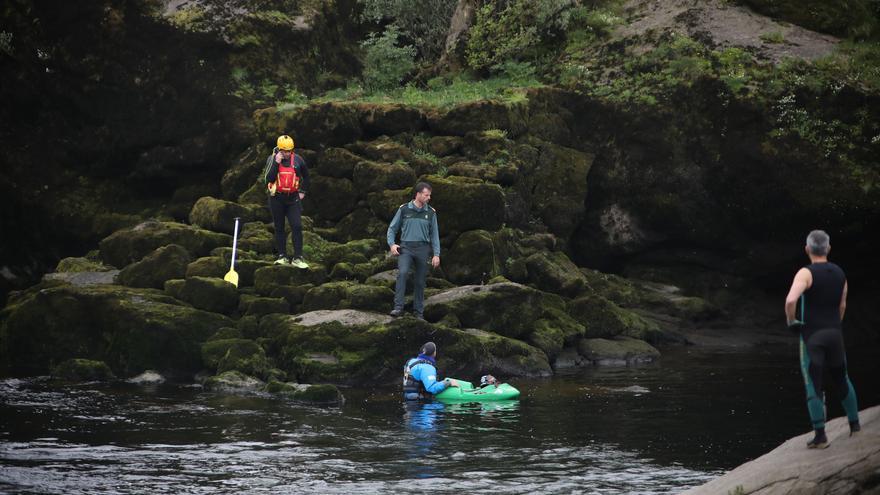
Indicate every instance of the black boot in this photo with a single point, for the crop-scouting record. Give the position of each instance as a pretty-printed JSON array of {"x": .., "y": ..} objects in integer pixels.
[
  {"x": 854, "y": 427},
  {"x": 820, "y": 441}
]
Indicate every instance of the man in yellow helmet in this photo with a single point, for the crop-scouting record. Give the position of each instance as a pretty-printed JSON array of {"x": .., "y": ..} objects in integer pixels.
[{"x": 287, "y": 179}]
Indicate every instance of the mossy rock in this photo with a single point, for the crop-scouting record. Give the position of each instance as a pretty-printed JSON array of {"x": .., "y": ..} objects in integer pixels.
[
  {"x": 255, "y": 195},
  {"x": 617, "y": 351},
  {"x": 356, "y": 251},
  {"x": 258, "y": 306},
  {"x": 219, "y": 215},
  {"x": 337, "y": 163},
  {"x": 604, "y": 319},
  {"x": 331, "y": 295},
  {"x": 391, "y": 119},
  {"x": 132, "y": 330},
  {"x": 559, "y": 187},
  {"x": 166, "y": 263},
  {"x": 324, "y": 124},
  {"x": 372, "y": 176},
  {"x": 359, "y": 224},
  {"x": 472, "y": 258},
  {"x": 323, "y": 394},
  {"x": 242, "y": 355},
  {"x": 331, "y": 198},
  {"x": 246, "y": 270},
  {"x": 246, "y": 169},
  {"x": 383, "y": 149},
  {"x": 480, "y": 116},
  {"x": 555, "y": 272},
  {"x": 225, "y": 333},
  {"x": 348, "y": 271},
  {"x": 293, "y": 294},
  {"x": 234, "y": 382},
  {"x": 384, "y": 204},
  {"x": 268, "y": 278},
  {"x": 174, "y": 287},
  {"x": 210, "y": 294},
  {"x": 83, "y": 370},
  {"x": 129, "y": 245},
  {"x": 80, "y": 265},
  {"x": 256, "y": 237},
  {"x": 353, "y": 347},
  {"x": 464, "y": 204},
  {"x": 508, "y": 309},
  {"x": 444, "y": 145},
  {"x": 207, "y": 266}
]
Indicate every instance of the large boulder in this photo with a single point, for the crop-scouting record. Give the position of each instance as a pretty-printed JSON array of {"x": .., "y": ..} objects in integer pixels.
[
  {"x": 370, "y": 176},
  {"x": 244, "y": 172},
  {"x": 506, "y": 308},
  {"x": 132, "y": 330},
  {"x": 219, "y": 215},
  {"x": 557, "y": 185},
  {"x": 126, "y": 246},
  {"x": 480, "y": 116},
  {"x": 342, "y": 295},
  {"x": 472, "y": 259},
  {"x": 464, "y": 204},
  {"x": 331, "y": 198},
  {"x": 337, "y": 163},
  {"x": 313, "y": 126},
  {"x": 351, "y": 347},
  {"x": 243, "y": 355},
  {"x": 849, "y": 464},
  {"x": 269, "y": 278},
  {"x": 391, "y": 119},
  {"x": 83, "y": 370},
  {"x": 210, "y": 294},
  {"x": 620, "y": 351},
  {"x": 163, "y": 264},
  {"x": 604, "y": 319},
  {"x": 555, "y": 272}
]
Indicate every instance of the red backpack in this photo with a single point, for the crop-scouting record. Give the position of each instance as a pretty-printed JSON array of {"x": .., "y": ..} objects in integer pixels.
[{"x": 288, "y": 179}]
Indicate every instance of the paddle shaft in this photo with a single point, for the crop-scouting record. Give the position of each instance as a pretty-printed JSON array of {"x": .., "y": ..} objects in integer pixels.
[{"x": 234, "y": 244}]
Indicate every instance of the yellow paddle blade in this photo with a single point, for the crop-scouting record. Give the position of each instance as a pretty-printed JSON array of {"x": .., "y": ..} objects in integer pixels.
[{"x": 231, "y": 277}]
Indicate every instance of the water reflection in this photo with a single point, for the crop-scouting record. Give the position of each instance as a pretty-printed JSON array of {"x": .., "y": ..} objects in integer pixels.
[{"x": 652, "y": 429}]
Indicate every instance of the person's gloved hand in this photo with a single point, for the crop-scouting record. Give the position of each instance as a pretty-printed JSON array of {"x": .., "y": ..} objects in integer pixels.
[
  {"x": 795, "y": 326},
  {"x": 272, "y": 188}
]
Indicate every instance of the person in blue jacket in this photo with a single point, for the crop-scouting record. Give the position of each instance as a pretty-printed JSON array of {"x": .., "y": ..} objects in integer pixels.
[{"x": 420, "y": 375}]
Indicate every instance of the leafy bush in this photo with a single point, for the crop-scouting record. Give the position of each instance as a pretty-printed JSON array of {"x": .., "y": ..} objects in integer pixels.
[
  {"x": 515, "y": 31},
  {"x": 422, "y": 24},
  {"x": 385, "y": 63},
  {"x": 857, "y": 18}
]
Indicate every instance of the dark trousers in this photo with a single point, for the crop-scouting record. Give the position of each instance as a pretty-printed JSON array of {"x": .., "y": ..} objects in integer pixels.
[
  {"x": 823, "y": 351},
  {"x": 287, "y": 206},
  {"x": 412, "y": 254}
]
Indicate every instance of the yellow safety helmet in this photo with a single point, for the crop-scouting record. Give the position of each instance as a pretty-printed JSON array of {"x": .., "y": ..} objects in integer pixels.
[{"x": 285, "y": 142}]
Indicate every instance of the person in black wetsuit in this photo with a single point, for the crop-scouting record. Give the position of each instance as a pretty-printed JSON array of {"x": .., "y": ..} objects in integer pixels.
[{"x": 814, "y": 308}]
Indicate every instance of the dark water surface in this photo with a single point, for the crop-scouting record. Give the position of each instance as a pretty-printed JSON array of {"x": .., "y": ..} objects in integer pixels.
[{"x": 651, "y": 429}]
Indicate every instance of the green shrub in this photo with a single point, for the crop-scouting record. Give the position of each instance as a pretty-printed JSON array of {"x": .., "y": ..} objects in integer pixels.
[
  {"x": 423, "y": 23},
  {"x": 514, "y": 31},
  {"x": 385, "y": 63}
]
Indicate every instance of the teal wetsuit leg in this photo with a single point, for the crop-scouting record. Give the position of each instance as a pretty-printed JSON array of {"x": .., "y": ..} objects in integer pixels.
[{"x": 815, "y": 403}]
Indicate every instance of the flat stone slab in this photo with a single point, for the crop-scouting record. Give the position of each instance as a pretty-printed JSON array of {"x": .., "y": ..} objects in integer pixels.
[
  {"x": 849, "y": 465},
  {"x": 348, "y": 317},
  {"x": 82, "y": 279}
]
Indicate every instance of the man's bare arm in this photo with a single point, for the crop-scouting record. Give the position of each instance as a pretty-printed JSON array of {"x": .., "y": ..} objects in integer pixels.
[{"x": 802, "y": 281}]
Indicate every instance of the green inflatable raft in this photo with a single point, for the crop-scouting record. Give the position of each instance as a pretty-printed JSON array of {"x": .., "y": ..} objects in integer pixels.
[{"x": 465, "y": 392}]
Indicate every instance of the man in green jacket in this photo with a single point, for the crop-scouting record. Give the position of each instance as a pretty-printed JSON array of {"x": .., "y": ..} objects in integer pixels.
[{"x": 416, "y": 222}]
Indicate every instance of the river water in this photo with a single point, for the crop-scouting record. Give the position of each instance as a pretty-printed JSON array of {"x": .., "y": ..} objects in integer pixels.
[{"x": 648, "y": 429}]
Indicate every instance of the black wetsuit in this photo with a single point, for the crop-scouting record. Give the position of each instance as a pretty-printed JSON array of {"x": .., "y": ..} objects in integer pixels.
[{"x": 822, "y": 342}]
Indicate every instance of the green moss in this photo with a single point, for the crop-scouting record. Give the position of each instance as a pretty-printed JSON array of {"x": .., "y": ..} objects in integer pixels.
[{"x": 83, "y": 370}]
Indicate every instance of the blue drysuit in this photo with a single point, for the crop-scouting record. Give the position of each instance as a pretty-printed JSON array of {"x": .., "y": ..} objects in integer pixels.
[{"x": 422, "y": 377}]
